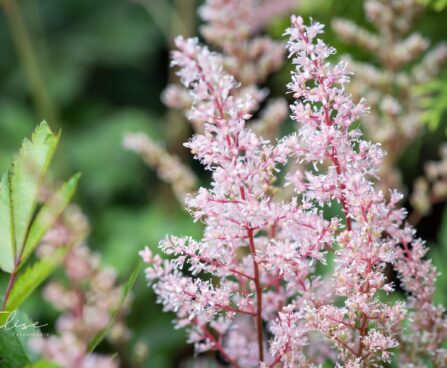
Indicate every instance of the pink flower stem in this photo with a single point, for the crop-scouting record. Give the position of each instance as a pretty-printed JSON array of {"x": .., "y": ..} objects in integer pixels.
[
  {"x": 220, "y": 109},
  {"x": 258, "y": 297},
  {"x": 363, "y": 329},
  {"x": 276, "y": 361},
  {"x": 341, "y": 342},
  {"x": 343, "y": 202},
  {"x": 219, "y": 348},
  {"x": 236, "y": 310},
  {"x": 258, "y": 288}
]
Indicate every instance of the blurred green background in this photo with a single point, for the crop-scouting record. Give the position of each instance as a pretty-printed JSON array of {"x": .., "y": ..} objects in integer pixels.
[{"x": 95, "y": 70}]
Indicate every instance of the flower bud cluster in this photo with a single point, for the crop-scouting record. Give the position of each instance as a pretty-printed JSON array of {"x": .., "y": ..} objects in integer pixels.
[{"x": 86, "y": 300}]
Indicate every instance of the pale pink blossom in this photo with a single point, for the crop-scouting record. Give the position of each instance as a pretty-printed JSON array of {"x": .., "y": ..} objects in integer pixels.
[{"x": 253, "y": 273}]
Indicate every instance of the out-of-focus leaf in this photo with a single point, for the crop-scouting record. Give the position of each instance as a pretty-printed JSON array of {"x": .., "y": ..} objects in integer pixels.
[
  {"x": 19, "y": 191},
  {"x": 14, "y": 342},
  {"x": 101, "y": 42},
  {"x": 107, "y": 168},
  {"x": 26, "y": 329},
  {"x": 90, "y": 42},
  {"x": 30, "y": 279},
  {"x": 147, "y": 225},
  {"x": 12, "y": 352},
  {"x": 16, "y": 122},
  {"x": 124, "y": 294},
  {"x": 438, "y": 5},
  {"x": 48, "y": 215},
  {"x": 43, "y": 364},
  {"x": 438, "y": 254},
  {"x": 433, "y": 100}
]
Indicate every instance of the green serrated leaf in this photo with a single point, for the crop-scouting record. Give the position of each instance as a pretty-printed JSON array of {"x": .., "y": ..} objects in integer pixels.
[
  {"x": 124, "y": 294},
  {"x": 29, "y": 280},
  {"x": 48, "y": 215},
  {"x": 27, "y": 172},
  {"x": 7, "y": 245},
  {"x": 19, "y": 190}
]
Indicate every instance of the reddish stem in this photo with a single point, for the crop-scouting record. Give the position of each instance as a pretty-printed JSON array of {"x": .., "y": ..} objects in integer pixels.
[
  {"x": 256, "y": 280},
  {"x": 363, "y": 329},
  {"x": 11, "y": 282},
  {"x": 235, "y": 310},
  {"x": 343, "y": 201},
  {"x": 258, "y": 296},
  {"x": 346, "y": 346},
  {"x": 220, "y": 348}
]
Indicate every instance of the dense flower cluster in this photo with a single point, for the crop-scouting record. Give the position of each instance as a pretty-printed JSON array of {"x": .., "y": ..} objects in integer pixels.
[
  {"x": 249, "y": 289},
  {"x": 232, "y": 27},
  {"x": 229, "y": 26}
]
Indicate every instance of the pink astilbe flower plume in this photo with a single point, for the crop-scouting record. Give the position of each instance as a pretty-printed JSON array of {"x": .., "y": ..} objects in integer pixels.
[
  {"x": 363, "y": 329},
  {"x": 249, "y": 288}
]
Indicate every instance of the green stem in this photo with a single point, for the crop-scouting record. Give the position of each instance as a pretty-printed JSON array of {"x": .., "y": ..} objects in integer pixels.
[{"x": 28, "y": 59}]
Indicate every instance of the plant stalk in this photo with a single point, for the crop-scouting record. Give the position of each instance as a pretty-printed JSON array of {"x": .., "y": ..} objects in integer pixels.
[{"x": 29, "y": 61}]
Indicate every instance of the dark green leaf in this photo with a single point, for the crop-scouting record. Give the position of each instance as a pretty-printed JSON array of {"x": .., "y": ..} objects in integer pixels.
[{"x": 12, "y": 352}]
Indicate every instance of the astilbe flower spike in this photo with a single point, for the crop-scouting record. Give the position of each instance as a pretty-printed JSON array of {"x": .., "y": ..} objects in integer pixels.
[
  {"x": 231, "y": 26},
  {"x": 363, "y": 329},
  {"x": 258, "y": 256},
  {"x": 86, "y": 301}
]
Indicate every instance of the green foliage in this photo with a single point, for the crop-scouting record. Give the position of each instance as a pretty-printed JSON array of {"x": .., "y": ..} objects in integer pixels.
[
  {"x": 100, "y": 148},
  {"x": 48, "y": 215},
  {"x": 16, "y": 122},
  {"x": 438, "y": 5},
  {"x": 14, "y": 340},
  {"x": 19, "y": 191},
  {"x": 127, "y": 288},
  {"x": 438, "y": 253},
  {"x": 147, "y": 225},
  {"x": 433, "y": 99},
  {"x": 43, "y": 364},
  {"x": 21, "y": 230},
  {"x": 12, "y": 352}
]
